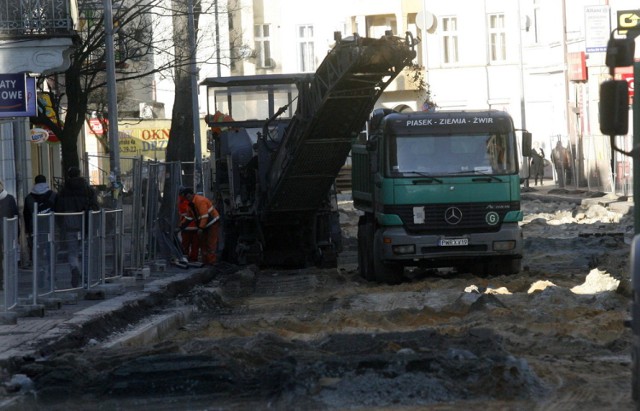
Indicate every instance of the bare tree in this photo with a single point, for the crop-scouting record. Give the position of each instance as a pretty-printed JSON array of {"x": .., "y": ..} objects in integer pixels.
[
  {"x": 181, "y": 142},
  {"x": 144, "y": 45}
]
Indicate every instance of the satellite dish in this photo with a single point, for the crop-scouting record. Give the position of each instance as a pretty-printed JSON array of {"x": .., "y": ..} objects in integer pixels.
[{"x": 429, "y": 22}]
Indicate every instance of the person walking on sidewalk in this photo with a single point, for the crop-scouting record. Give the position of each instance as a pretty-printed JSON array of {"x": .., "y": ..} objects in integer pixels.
[
  {"x": 44, "y": 197},
  {"x": 207, "y": 220},
  {"x": 8, "y": 209},
  {"x": 537, "y": 164},
  {"x": 75, "y": 196},
  {"x": 560, "y": 158}
]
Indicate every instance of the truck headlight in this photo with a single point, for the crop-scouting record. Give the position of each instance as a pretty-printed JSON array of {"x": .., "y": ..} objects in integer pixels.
[
  {"x": 504, "y": 245},
  {"x": 404, "y": 249}
]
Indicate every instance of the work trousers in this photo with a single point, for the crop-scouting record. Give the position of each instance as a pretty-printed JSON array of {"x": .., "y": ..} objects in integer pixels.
[
  {"x": 190, "y": 244},
  {"x": 209, "y": 244}
]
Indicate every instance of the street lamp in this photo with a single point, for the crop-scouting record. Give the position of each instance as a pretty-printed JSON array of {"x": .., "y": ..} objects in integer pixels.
[
  {"x": 112, "y": 103},
  {"x": 194, "y": 102},
  {"x": 523, "y": 111}
]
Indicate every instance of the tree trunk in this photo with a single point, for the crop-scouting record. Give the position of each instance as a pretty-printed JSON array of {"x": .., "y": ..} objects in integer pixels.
[
  {"x": 74, "y": 119},
  {"x": 181, "y": 145}
]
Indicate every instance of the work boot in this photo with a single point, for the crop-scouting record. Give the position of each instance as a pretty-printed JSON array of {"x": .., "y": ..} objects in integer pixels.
[{"x": 75, "y": 277}]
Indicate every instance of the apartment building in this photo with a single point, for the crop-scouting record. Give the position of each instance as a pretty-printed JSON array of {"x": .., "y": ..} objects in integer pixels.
[
  {"x": 540, "y": 60},
  {"x": 35, "y": 40}
]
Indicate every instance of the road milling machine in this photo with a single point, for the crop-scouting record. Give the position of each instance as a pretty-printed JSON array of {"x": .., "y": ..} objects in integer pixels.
[{"x": 278, "y": 143}]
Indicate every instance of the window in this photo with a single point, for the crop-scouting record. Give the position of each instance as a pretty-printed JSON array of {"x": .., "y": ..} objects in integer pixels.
[
  {"x": 450, "y": 40},
  {"x": 263, "y": 45},
  {"x": 306, "y": 55},
  {"x": 452, "y": 154},
  {"x": 378, "y": 24},
  {"x": 497, "y": 41}
]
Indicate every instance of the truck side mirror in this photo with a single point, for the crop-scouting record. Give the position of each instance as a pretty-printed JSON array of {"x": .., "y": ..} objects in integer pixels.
[
  {"x": 377, "y": 116},
  {"x": 526, "y": 144},
  {"x": 372, "y": 149},
  {"x": 614, "y": 108},
  {"x": 620, "y": 52}
]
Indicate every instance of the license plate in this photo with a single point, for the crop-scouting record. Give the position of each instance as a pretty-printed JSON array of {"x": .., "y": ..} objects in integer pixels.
[{"x": 453, "y": 242}]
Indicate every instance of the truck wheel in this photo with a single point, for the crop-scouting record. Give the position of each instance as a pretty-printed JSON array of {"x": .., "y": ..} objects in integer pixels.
[
  {"x": 390, "y": 273},
  {"x": 365, "y": 244}
]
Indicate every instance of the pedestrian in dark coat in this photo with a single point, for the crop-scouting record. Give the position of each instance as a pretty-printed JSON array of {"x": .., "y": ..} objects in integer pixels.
[
  {"x": 537, "y": 165},
  {"x": 560, "y": 158},
  {"x": 42, "y": 196},
  {"x": 76, "y": 196},
  {"x": 8, "y": 209}
]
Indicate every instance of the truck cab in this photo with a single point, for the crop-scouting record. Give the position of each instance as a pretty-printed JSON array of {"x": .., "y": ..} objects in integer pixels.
[{"x": 438, "y": 189}]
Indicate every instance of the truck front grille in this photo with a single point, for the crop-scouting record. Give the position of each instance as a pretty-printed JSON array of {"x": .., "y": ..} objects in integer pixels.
[{"x": 454, "y": 219}]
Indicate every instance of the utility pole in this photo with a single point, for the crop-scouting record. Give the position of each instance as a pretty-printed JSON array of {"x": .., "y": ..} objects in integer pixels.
[
  {"x": 112, "y": 104},
  {"x": 194, "y": 101},
  {"x": 523, "y": 111},
  {"x": 636, "y": 143},
  {"x": 219, "y": 72}
]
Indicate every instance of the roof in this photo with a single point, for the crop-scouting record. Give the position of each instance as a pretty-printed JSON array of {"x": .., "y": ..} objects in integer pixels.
[{"x": 256, "y": 80}]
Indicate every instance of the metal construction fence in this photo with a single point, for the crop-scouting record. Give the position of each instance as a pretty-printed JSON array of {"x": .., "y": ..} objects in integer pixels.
[
  {"x": 9, "y": 266},
  {"x": 592, "y": 164},
  {"x": 112, "y": 242},
  {"x": 149, "y": 220},
  {"x": 95, "y": 250}
]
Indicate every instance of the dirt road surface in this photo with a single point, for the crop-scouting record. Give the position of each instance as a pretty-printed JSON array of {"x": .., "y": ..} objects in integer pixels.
[{"x": 550, "y": 338}]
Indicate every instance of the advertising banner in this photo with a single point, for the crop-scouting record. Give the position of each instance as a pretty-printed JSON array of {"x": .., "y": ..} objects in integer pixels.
[
  {"x": 597, "y": 28},
  {"x": 17, "y": 95}
]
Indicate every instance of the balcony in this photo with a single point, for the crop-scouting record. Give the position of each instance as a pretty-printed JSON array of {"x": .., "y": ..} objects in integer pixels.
[
  {"x": 36, "y": 36},
  {"x": 41, "y": 18}
]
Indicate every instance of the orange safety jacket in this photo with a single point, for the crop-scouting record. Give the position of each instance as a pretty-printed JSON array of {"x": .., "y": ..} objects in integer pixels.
[
  {"x": 206, "y": 213},
  {"x": 187, "y": 217}
]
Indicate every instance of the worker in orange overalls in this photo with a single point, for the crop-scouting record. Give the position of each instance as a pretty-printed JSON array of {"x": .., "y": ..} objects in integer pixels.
[
  {"x": 188, "y": 230},
  {"x": 207, "y": 222}
]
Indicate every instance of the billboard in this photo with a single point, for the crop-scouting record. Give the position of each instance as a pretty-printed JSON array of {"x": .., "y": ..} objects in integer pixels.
[
  {"x": 597, "y": 28},
  {"x": 17, "y": 95}
]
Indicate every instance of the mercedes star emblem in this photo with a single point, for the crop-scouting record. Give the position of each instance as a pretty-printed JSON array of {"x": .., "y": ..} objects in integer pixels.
[{"x": 453, "y": 215}]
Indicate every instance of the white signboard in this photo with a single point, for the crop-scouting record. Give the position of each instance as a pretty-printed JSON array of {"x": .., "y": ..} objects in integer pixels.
[{"x": 597, "y": 28}]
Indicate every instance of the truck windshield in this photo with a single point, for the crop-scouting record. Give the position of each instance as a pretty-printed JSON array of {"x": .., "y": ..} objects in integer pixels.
[{"x": 459, "y": 154}]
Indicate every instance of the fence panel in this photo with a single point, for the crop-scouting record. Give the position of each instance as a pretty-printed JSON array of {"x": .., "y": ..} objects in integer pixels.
[
  {"x": 9, "y": 264},
  {"x": 113, "y": 245},
  {"x": 93, "y": 241},
  {"x": 43, "y": 251},
  {"x": 70, "y": 252}
]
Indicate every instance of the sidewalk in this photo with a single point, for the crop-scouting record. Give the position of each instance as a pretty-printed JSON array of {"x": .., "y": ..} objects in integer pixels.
[
  {"x": 79, "y": 317},
  {"x": 549, "y": 191}
]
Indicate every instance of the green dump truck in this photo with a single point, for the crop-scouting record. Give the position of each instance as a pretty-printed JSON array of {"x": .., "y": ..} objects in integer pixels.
[{"x": 438, "y": 189}]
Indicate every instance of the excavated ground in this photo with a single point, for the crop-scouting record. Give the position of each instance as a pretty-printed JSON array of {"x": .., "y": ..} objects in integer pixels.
[{"x": 552, "y": 337}]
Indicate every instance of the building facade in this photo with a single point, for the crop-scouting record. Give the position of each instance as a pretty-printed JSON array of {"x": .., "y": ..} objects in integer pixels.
[
  {"x": 36, "y": 39},
  {"x": 540, "y": 60}
]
